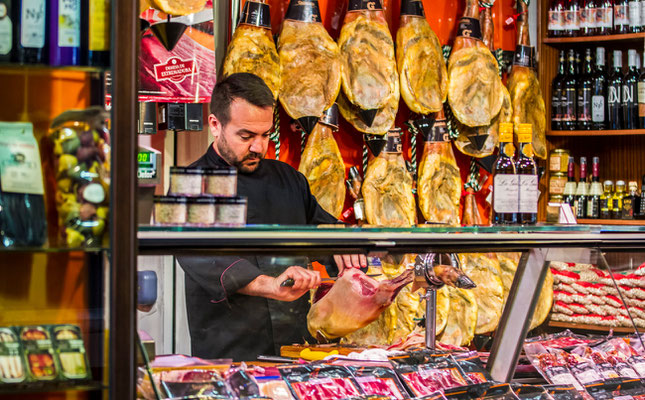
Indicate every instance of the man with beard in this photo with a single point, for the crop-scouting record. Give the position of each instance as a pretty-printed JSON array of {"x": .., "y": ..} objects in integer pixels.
[{"x": 236, "y": 306}]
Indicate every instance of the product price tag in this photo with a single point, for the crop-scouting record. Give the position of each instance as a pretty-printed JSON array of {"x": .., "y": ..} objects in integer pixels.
[
  {"x": 529, "y": 193},
  {"x": 505, "y": 193},
  {"x": 20, "y": 170}
]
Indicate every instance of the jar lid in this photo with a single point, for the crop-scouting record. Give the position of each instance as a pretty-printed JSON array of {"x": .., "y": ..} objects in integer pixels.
[
  {"x": 231, "y": 200},
  {"x": 170, "y": 199},
  {"x": 220, "y": 171},
  {"x": 186, "y": 170},
  {"x": 202, "y": 200}
]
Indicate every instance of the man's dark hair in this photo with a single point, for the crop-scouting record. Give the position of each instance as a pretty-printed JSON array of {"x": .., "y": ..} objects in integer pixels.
[{"x": 241, "y": 85}]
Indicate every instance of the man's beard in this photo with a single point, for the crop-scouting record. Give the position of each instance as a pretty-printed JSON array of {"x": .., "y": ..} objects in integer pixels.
[{"x": 229, "y": 156}]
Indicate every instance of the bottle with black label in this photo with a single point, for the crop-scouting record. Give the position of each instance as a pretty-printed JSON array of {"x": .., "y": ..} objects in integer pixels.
[
  {"x": 569, "y": 94},
  {"x": 570, "y": 187},
  {"x": 29, "y": 31},
  {"x": 593, "y": 202},
  {"x": 585, "y": 93},
  {"x": 528, "y": 178},
  {"x": 582, "y": 190},
  {"x": 588, "y": 11},
  {"x": 617, "y": 200},
  {"x": 641, "y": 98},
  {"x": 605, "y": 200},
  {"x": 642, "y": 202},
  {"x": 634, "y": 13},
  {"x": 505, "y": 179},
  {"x": 604, "y": 17},
  {"x": 557, "y": 87},
  {"x": 614, "y": 95},
  {"x": 556, "y": 18},
  {"x": 572, "y": 19},
  {"x": 6, "y": 31},
  {"x": 630, "y": 91},
  {"x": 621, "y": 16},
  {"x": 599, "y": 92},
  {"x": 630, "y": 201}
]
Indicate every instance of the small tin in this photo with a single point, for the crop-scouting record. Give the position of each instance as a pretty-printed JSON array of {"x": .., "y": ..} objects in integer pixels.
[
  {"x": 12, "y": 366},
  {"x": 559, "y": 160},
  {"x": 220, "y": 182},
  {"x": 557, "y": 180},
  {"x": 169, "y": 210},
  {"x": 201, "y": 211},
  {"x": 38, "y": 353},
  {"x": 231, "y": 211},
  {"x": 186, "y": 181},
  {"x": 553, "y": 208},
  {"x": 70, "y": 350}
]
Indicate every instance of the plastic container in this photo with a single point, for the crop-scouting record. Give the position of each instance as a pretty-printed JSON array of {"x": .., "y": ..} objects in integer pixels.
[
  {"x": 231, "y": 211},
  {"x": 13, "y": 368},
  {"x": 39, "y": 353},
  {"x": 185, "y": 181},
  {"x": 70, "y": 350},
  {"x": 201, "y": 211},
  {"x": 220, "y": 182},
  {"x": 169, "y": 210}
]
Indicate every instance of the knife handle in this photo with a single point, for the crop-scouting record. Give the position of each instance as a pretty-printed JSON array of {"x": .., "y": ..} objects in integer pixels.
[{"x": 289, "y": 282}]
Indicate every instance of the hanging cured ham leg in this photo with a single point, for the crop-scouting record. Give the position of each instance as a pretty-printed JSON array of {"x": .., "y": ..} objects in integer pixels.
[
  {"x": 369, "y": 78},
  {"x": 353, "y": 302},
  {"x": 310, "y": 62},
  {"x": 526, "y": 95},
  {"x": 252, "y": 48},
  {"x": 474, "y": 87},
  {"x": 421, "y": 67}
]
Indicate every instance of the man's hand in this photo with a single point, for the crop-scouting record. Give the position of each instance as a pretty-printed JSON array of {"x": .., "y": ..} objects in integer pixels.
[
  {"x": 266, "y": 286},
  {"x": 350, "y": 261}
]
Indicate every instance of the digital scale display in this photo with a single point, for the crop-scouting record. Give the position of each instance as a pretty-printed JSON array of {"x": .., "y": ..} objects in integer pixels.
[{"x": 147, "y": 165}]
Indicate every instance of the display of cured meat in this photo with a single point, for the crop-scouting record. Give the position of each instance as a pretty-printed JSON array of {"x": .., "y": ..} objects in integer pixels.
[
  {"x": 354, "y": 301},
  {"x": 471, "y": 216},
  {"x": 322, "y": 164},
  {"x": 439, "y": 183},
  {"x": 179, "y": 7},
  {"x": 383, "y": 119},
  {"x": 475, "y": 90},
  {"x": 482, "y": 141},
  {"x": 419, "y": 58},
  {"x": 387, "y": 189},
  {"x": 369, "y": 78},
  {"x": 483, "y": 269},
  {"x": 252, "y": 48},
  {"x": 462, "y": 318},
  {"x": 523, "y": 85},
  {"x": 310, "y": 62}
]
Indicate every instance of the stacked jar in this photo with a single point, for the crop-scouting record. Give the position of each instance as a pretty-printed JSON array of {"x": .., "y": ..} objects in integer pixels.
[{"x": 201, "y": 197}]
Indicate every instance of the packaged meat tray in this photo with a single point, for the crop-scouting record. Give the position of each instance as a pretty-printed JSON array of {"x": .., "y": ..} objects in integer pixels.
[
  {"x": 70, "y": 350},
  {"x": 12, "y": 368},
  {"x": 563, "y": 392},
  {"x": 551, "y": 364},
  {"x": 472, "y": 366},
  {"x": 375, "y": 380},
  {"x": 320, "y": 382},
  {"x": 38, "y": 353},
  {"x": 528, "y": 392},
  {"x": 434, "y": 372},
  {"x": 183, "y": 383}
]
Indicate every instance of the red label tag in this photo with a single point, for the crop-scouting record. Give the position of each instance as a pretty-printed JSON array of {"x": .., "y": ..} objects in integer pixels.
[{"x": 175, "y": 70}]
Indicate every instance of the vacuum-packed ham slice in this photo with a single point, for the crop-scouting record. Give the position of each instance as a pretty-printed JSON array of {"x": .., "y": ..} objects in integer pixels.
[
  {"x": 252, "y": 48},
  {"x": 523, "y": 85},
  {"x": 353, "y": 302},
  {"x": 310, "y": 62},
  {"x": 474, "y": 87},
  {"x": 422, "y": 69},
  {"x": 369, "y": 78},
  {"x": 439, "y": 184},
  {"x": 322, "y": 164}
]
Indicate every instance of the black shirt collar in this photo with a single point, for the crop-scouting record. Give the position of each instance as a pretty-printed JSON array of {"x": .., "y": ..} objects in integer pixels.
[{"x": 214, "y": 159}]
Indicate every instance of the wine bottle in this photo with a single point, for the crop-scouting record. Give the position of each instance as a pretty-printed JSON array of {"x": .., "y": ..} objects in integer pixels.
[
  {"x": 572, "y": 19},
  {"x": 630, "y": 91},
  {"x": 505, "y": 179},
  {"x": 569, "y": 93},
  {"x": 642, "y": 202},
  {"x": 599, "y": 92},
  {"x": 642, "y": 2},
  {"x": 64, "y": 32},
  {"x": 604, "y": 17},
  {"x": 557, "y": 87},
  {"x": 528, "y": 178},
  {"x": 634, "y": 12},
  {"x": 585, "y": 89},
  {"x": 588, "y": 11},
  {"x": 593, "y": 202},
  {"x": 630, "y": 201},
  {"x": 30, "y": 31},
  {"x": 605, "y": 200},
  {"x": 98, "y": 33},
  {"x": 621, "y": 16},
  {"x": 556, "y": 18},
  {"x": 6, "y": 31},
  {"x": 570, "y": 187},
  {"x": 617, "y": 200},
  {"x": 641, "y": 98},
  {"x": 582, "y": 190},
  {"x": 614, "y": 96}
]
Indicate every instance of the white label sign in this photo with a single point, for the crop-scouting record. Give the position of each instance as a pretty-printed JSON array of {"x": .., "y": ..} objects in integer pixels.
[{"x": 505, "y": 193}]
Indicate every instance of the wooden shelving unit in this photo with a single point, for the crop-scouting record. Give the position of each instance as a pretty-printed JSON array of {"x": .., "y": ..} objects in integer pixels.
[
  {"x": 625, "y": 38},
  {"x": 622, "y": 132},
  {"x": 570, "y": 325},
  {"x": 632, "y": 222}
]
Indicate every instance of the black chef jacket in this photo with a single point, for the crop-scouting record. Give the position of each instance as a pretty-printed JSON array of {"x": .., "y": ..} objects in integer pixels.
[{"x": 224, "y": 324}]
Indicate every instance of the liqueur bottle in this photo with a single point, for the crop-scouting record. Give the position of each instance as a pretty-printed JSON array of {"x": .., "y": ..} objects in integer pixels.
[
  {"x": 630, "y": 91},
  {"x": 641, "y": 99},
  {"x": 557, "y": 87},
  {"x": 585, "y": 90},
  {"x": 604, "y": 17},
  {"x": 621, "y": 16},
  {"x": 64, "y": 32},
  {"x": 599, "y": 92},
  {"x": 642, "y": 202},
  {"x": 588, "y": 23},
  {"x": 572, "y": 19},
  {"x": 570, "y": 187},
  {"x": 528, "y": 178},
  {"x": 6, "y": 31},
  {"x": 29, "y": 30},
  {"x": 606, "y": 200},
  {"x": 593, "y": 202},
  {"x": 617, "y": 200},
  {"x": 642, "y": 15},
  {"x": 582, "y": 190},
  {"x": 505, "y": 180},
  {"x": 556, "y": 18},
  {"x": 97, "y": 34},
  {"x": 615, "y": 87},
  {"x": 630, "y": 201},
  {"x": 569, "y": 94},
  {"x": 634, "y": 12}
]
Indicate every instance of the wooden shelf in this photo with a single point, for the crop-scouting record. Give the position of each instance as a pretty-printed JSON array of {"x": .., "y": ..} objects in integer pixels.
[
  {"x": 622, "y": 132},
  {"x": 571, "y": 325},
  {"x": 611, "y": 221},
  {"x": 627, "y": 37}
]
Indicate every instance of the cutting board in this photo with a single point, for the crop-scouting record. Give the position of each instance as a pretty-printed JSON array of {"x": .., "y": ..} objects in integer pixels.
[{"x": 293, "y": 351}]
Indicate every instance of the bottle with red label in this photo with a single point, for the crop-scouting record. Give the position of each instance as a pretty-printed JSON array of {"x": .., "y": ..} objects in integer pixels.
[
  {"x": 572, "y": 19},
  {"x": 621, "y": 16},
  {"x": 588, "y": 11},
  {"x": 556, "y": 18},
  {"x": 604, "y": 17}
]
